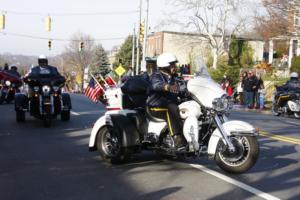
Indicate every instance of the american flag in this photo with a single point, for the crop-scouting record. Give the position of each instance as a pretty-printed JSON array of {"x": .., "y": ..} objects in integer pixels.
[{"x": 93, "y": 90}]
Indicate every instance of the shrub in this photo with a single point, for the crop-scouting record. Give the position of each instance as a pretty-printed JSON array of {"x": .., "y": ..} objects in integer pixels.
[
  {"x": 232, "y": 72},
  {"x": 296, "y": 64}
]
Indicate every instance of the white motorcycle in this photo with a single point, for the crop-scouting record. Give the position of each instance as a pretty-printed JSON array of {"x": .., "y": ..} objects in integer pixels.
[{"x": 127, "y": 128}]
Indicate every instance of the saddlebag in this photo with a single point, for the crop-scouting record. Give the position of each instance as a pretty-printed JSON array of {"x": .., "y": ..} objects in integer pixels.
[
  {"x": 127, "y": 129},
  {"x": 135, "y": 92}
]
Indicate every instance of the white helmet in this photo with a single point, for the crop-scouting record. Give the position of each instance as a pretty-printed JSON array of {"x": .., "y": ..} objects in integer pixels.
[
  {"x": 294, "y": 75},
  {"x": 165, "y": 60},
  {"x": 42, "y": 57}
]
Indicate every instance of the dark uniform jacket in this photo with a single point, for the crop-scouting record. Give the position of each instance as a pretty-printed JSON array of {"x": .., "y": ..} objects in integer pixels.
[
  {"x": 48, "y": 72},
  {"x": 290, "y": 85},
  {"x": 159, "y": 96}
]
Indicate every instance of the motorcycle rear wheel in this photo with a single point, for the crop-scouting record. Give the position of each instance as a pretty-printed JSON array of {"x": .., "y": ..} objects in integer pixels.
[
  {"x": 245, "y": 156},
  {"x": 109, "y": 145}
]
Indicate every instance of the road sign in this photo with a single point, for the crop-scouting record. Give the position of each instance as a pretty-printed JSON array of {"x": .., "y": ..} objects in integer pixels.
[{"x": 120, "y": 70}]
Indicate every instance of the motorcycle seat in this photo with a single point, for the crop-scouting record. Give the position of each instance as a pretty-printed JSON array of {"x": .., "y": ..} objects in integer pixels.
[{"x": 151, "y": 117}]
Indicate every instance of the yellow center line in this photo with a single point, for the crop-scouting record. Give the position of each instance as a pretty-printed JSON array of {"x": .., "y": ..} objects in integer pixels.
[{"x": 280, "y": 138}]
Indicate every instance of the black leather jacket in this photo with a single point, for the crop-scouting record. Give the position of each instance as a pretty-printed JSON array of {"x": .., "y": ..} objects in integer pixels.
[
  {"x": 48, "y": 74},
  {"x": 159, "y": 96}
]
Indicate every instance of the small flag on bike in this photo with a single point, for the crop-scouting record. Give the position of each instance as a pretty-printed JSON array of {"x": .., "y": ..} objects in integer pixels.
[
  {"x": 110, "y": 81},
  {"x": 93, "y": 90}
]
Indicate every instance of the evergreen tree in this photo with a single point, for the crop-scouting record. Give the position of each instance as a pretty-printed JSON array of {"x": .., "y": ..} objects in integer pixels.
[
  {"x": 124, "y": 54},
  {"x": 100, "y": 64}
]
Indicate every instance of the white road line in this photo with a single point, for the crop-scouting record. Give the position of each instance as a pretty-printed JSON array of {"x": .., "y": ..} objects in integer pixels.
[
  {"x": 74, "y": 113},
  {"x": 235, "y": 182},
  {"x": 290, "y": 122}
]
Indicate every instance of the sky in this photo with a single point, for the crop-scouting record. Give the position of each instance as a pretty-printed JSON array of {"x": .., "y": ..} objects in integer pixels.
[{"x": 114, "y": 19}]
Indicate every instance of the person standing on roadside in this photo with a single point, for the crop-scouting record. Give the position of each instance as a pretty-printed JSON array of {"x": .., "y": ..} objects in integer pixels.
[
  {"x": 255, "y": 90},
  {"x": 240, "y": 90},
  {"x": 249, "y": 84},
  {"x": 260, "y": 93}
]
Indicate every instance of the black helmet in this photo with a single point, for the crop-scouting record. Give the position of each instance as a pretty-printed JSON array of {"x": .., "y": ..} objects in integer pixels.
[{"x": 13, "y": 67}]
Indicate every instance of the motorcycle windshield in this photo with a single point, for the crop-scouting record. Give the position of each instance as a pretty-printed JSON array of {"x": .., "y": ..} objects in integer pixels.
[{"x": 202, "y": 70}]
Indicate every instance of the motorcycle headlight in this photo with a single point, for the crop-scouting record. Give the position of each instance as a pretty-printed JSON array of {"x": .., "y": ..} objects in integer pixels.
[
  {"x": 8, "y": 83},
  {"x": 36, "y": 88},
  {"x": 55, "y": 88},
  {"x": 224, "y": 103},
  {"x": 46, "y": 89}
]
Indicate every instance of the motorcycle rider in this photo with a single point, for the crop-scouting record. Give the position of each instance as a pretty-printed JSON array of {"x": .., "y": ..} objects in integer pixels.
[
  {"x": 292, "y": 84},
  {"x": 43, "y": 70},
  {"x": 14, "y": 70},
  {"x": 162, "y": 101}
]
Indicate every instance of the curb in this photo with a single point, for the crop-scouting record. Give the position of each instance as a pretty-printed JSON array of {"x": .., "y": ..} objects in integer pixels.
[{"x": 266, "y": 111}]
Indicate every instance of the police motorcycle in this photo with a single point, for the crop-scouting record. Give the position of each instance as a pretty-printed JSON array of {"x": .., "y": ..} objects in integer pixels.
[
  {"x": 9, "y": 86},
  {"x": 286, "y": 102},
  {"x": 45, "y": 102},
  {"x": 127, "y": 127}
]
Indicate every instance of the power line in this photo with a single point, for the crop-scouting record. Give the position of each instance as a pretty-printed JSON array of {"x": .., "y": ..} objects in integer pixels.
[
  {"x": 71, "y": 14},
  {"x": 57, "y": 39}
]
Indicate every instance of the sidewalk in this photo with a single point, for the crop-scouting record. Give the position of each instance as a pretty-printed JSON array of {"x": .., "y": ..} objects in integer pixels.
[{"x": 244, "y": 109}]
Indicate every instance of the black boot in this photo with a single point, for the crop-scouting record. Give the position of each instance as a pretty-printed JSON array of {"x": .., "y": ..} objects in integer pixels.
[{"x": 179, "y": 141}]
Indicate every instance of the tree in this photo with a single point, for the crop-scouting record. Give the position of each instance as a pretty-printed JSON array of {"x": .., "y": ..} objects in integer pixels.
[
  {"x": 275, "y": 19},
  {"x": 100, "y": 61},
  {"x": 240, "y": 53},
  {"x": 77, "y": 60},
  {"x": 124, "y": 54},
  {"x": 215, "y": 20}
]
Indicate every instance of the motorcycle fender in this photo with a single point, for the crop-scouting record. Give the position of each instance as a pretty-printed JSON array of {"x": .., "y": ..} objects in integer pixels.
[
  {"x": 293, "y": 106},
  {"x": 21, "y": 101},
  {"x": 105, "y": 120},
  {"x": 233, "y": 127}
]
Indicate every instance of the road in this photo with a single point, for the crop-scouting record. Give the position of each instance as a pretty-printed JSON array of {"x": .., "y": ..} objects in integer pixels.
[{"x": 54, "y": 163}]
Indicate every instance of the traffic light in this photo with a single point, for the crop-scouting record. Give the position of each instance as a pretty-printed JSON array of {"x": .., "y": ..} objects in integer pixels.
[
  {"x": 49, "y": 44},
  {"x": 142, "y": 32},
  {"x": 48, "y": 24},
  {"x": 2, "y": 21},
  {"x": 81, "y": 46}
]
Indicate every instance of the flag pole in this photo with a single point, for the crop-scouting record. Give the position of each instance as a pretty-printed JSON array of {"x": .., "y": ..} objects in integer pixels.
[{"x": 96, "y": 81}]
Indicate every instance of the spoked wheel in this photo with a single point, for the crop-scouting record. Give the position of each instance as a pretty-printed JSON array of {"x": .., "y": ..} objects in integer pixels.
[
  {"x": 244, "y": 157},
  {"x": 275, "y": 110},
  {"x": 109, "y": 145}
]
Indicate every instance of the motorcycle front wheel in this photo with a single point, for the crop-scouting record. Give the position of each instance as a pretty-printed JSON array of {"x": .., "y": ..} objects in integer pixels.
[
  {"x": 244, "y": 157},
  {"x": 297, "y": 115},
  {"x": 275, "y": 111}
]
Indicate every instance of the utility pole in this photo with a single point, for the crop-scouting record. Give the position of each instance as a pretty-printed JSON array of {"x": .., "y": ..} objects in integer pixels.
[
  {"x": 138, "y": 42},
  {"x": 143, "y": 63},
  {"x": 133, "y": 52}
]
